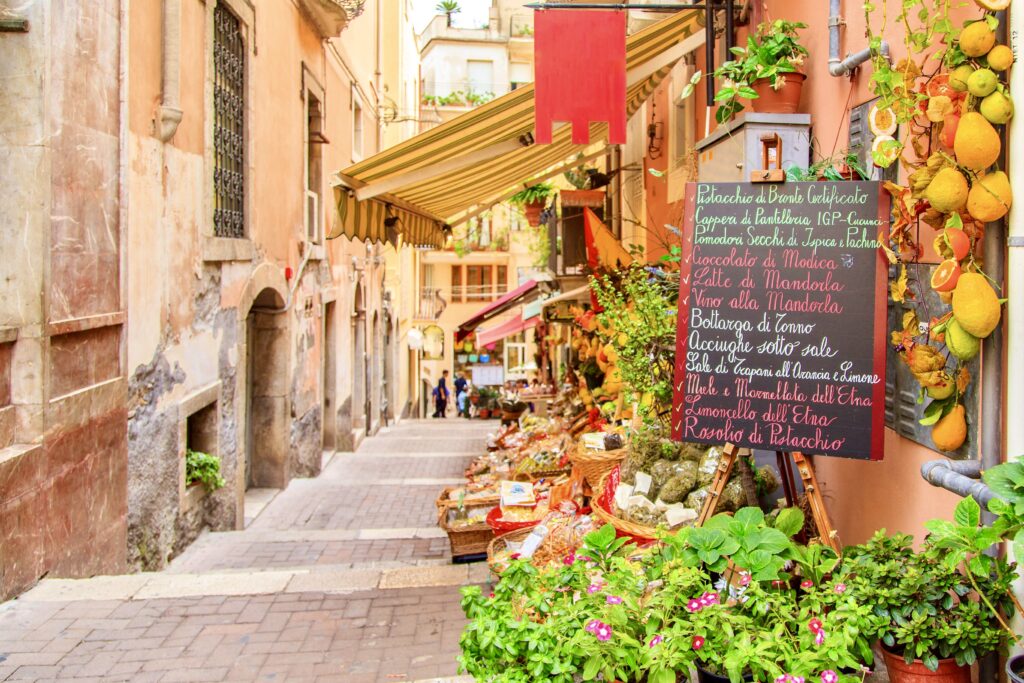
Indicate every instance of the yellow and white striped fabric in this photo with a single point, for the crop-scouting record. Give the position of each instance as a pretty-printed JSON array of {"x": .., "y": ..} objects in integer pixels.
[{"x": 509, "y": 117}]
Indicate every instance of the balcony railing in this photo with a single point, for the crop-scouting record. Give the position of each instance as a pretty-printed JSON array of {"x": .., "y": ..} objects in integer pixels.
[
  {"x": 470, "y": 293},
  {"x": 431, "y": 304}
]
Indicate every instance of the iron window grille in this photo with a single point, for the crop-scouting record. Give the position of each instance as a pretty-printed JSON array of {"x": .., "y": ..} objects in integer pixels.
[{"x": 228, "y": 124}]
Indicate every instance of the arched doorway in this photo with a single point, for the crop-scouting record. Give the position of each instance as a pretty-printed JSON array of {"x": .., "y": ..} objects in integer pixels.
[{"x": 266, "y": 392}]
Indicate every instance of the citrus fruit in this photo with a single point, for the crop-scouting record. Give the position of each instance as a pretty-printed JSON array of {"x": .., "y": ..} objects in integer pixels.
[
  {"x": 961, "y": 344},
  {"x": 949, "y": 126},
  {"x": 977, "y": 39},
  {"x": 993, "y": 5},
  {"x": 947, "y": 191},
  {"x": 990, "y": 197},
  {"x": 975, "y": 305},
  {"x": 882, "y": 121},
  {"x": 977, "y": 143},
  {"x": 944, "y": 389},
  {"x": 939, "y": 85},
  {"x": 945, "y": 275},
  {"x": 997, "y": 108},
  {"x": 958, "y": 241},
  {"x": 950, "y": 432},
  {"x": 958, "y": 79},
  {"x": 982, "y": 83},
  {"x": 1000, "y": 58}
]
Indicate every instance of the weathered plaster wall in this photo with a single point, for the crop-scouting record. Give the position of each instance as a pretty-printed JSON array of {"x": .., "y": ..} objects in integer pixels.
[{"x": 62, "y": 458}]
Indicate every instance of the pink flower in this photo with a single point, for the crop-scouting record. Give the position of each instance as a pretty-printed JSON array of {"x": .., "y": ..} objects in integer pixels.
[
  {"x": 819, "y": 637},
  {"x": 784, "y": 678},
  {"x": 744, "y": 578},
  {"x": 694, "y": 605},
  {"x": 613, "y": 600},
  {"x": 797, "y": 679},
  {"x": 593, "y": 588},
  {"x": 569, "y": 559},
  {"x": 709, "y": 599},
  {"x": 583, "y": 558},
  {"x": 514, "y": 556},
  {"x": 491, "y": 595},
  {"x": 603, "y": 632},
  {"x": 814, "y": 625},
  {"x": 829, "y": 676},
  {"x": 593, "y": 626},
  {"x": 654, "y": 641},
  {"x": 840, "y": 588},
  {"x": 806, "y": 583},
  {"x": 698, "y": 642}
]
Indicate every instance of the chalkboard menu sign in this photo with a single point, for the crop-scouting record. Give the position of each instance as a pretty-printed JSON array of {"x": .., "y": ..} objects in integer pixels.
[{"x": 782, "y": 318}]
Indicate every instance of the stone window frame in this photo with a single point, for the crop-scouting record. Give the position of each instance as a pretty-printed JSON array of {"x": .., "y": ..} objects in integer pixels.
[
  {"x": 229, "y": 248},
  {"x": 191, "y": 404},
  {"x": 311, "y": 86}
]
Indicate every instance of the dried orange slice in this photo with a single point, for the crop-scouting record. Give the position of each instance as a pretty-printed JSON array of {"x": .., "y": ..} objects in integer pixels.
[
  {"x": 882, "y": 121},
  {"x": 993, "y": 5},
  {"x": 945, "y": 276}
]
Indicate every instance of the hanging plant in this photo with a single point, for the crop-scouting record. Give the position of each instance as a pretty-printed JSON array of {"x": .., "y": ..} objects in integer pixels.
[{"x": 948, "y": 101}]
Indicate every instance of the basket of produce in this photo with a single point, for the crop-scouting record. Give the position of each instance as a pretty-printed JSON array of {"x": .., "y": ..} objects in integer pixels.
[
  {"x": 593, "y": 463},
  {"x": 564, "y": 531},
  {"x": 504, "y": 520},
  {"x": 543, "y": 462},
  {"x": 467, "y": 528},
  {"x": 468, "y": 494},
  {"x": 512, "y": 409}
]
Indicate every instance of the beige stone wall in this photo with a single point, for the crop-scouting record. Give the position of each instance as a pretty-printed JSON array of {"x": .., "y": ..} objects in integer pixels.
[{"x": 246, "y": 316}]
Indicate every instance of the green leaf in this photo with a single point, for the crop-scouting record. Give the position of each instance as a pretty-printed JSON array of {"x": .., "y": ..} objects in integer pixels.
[
  {"x": 591, "y": 668},
  {"x": 931, "y": 662},
  {"x": 1018, "y": 545},
  {"x": 932, "y": 413},
  {"x": 967, "y": 513},
  {"x": 662, "y": 676},
  {"x": 790, "y": 521}
]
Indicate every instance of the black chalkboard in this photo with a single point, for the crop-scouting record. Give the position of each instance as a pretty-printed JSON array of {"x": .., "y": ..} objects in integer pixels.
[{"x": 782, "y": 318}]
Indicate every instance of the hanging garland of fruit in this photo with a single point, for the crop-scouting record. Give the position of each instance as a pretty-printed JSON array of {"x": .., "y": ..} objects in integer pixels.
[{"x": 950, "y": 99}]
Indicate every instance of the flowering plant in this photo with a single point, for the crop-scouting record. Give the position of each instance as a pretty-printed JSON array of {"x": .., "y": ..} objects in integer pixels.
[{"x": 930, "y": 609}]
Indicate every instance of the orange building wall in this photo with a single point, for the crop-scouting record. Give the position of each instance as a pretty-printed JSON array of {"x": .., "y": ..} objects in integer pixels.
[{"x": 861, "y": 496}]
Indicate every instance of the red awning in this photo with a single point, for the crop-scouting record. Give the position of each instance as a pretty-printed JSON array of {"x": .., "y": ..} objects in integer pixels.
[
  {"x": 505, "y": 329},
  {"x": 496, "y": 308}
]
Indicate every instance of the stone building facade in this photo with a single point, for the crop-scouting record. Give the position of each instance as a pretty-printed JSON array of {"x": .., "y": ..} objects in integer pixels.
[{"x": 172, "y": 164}]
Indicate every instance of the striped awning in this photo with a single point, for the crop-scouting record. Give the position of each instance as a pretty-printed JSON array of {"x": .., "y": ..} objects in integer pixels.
[{"x": 477, "y": 158}]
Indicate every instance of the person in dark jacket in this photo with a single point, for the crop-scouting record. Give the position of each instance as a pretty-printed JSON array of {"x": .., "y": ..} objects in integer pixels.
[
  {"x": 460, "y": 389},
  {"x": 441, "y": 395}
]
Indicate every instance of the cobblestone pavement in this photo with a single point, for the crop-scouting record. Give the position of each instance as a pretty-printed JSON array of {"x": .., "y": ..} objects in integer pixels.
[{"x": 340, "y": 578}]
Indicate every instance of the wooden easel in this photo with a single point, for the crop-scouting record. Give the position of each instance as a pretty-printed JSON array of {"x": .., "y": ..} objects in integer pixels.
[{"x": 826, "y": 534}]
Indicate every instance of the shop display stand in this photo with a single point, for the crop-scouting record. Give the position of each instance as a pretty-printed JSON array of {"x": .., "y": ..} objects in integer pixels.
[{"x": 826, "y": 534}]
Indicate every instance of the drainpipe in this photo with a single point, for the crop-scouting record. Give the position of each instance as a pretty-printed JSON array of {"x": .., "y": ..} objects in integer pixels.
[
  {"x": 169, "y": 114},
  {"x": 962, "y": 477},
  {"x": 845, "y": 67}
]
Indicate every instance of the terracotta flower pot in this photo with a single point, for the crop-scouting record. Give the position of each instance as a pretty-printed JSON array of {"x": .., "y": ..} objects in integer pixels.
[
  {"x": 484, "y": 413},
  {"x": 785, "y": 100},
  {"x": 533, "y": 211},
  {"x": 901, "y": 672}
]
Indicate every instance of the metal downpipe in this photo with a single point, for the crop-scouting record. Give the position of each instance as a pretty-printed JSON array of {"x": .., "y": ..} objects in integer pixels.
[{"x": 836, "y": 65}]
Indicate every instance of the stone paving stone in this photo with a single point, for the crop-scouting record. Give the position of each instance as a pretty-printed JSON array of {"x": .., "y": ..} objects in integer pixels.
[{"x": 313, "y": 622}]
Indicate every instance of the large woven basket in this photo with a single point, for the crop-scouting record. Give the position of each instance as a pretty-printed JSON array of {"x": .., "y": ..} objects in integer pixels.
[
  {"x": 595, "y": 464},
  {"x": 467, "y": 540},
  {"x": 638, "y": 532},
  {"x": 499, "y": 543},
  {"x": 443, "y": 501}
]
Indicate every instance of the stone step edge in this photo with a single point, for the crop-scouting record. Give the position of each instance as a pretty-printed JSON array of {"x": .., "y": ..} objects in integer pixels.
[
  {"x": 251, "y": 535},
  {"x": 166, "y": 585}
]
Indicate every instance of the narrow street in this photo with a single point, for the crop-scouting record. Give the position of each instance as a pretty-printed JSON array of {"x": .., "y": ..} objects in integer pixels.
[{"x": 345, "y": 577}]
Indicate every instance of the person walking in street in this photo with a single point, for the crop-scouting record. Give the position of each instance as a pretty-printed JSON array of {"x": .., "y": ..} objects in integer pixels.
[
  {"x": 441, "y": 395},
  {"x": 461, "y": 395}
]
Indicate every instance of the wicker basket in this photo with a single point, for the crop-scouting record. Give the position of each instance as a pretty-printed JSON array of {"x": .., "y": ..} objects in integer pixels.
[
  {"x": 468, "y": 540},
  {"x": 595, "y": 464},
  {"x": 638, "y": 532},
  {"x": 444, "y": 501},
  {"x": 498, "y": 544}
]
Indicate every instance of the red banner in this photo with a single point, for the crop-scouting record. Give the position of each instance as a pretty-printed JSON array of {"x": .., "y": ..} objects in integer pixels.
[{"x": 580, "y": 72}]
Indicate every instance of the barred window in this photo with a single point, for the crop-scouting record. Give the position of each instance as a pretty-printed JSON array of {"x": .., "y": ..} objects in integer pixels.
[{"x": 228, "y": 124}]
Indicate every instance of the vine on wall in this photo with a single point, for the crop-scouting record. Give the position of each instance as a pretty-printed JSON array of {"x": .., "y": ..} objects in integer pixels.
[{"x": 950, "y": 96}]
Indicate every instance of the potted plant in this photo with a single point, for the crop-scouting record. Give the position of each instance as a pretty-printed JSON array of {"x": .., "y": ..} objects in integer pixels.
[
  {"x": 936, "y": 618},
  {"x": 533, "y": 199},
  {"x": 842, "y": 166},
  {"x": 766, "y": 72}
]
